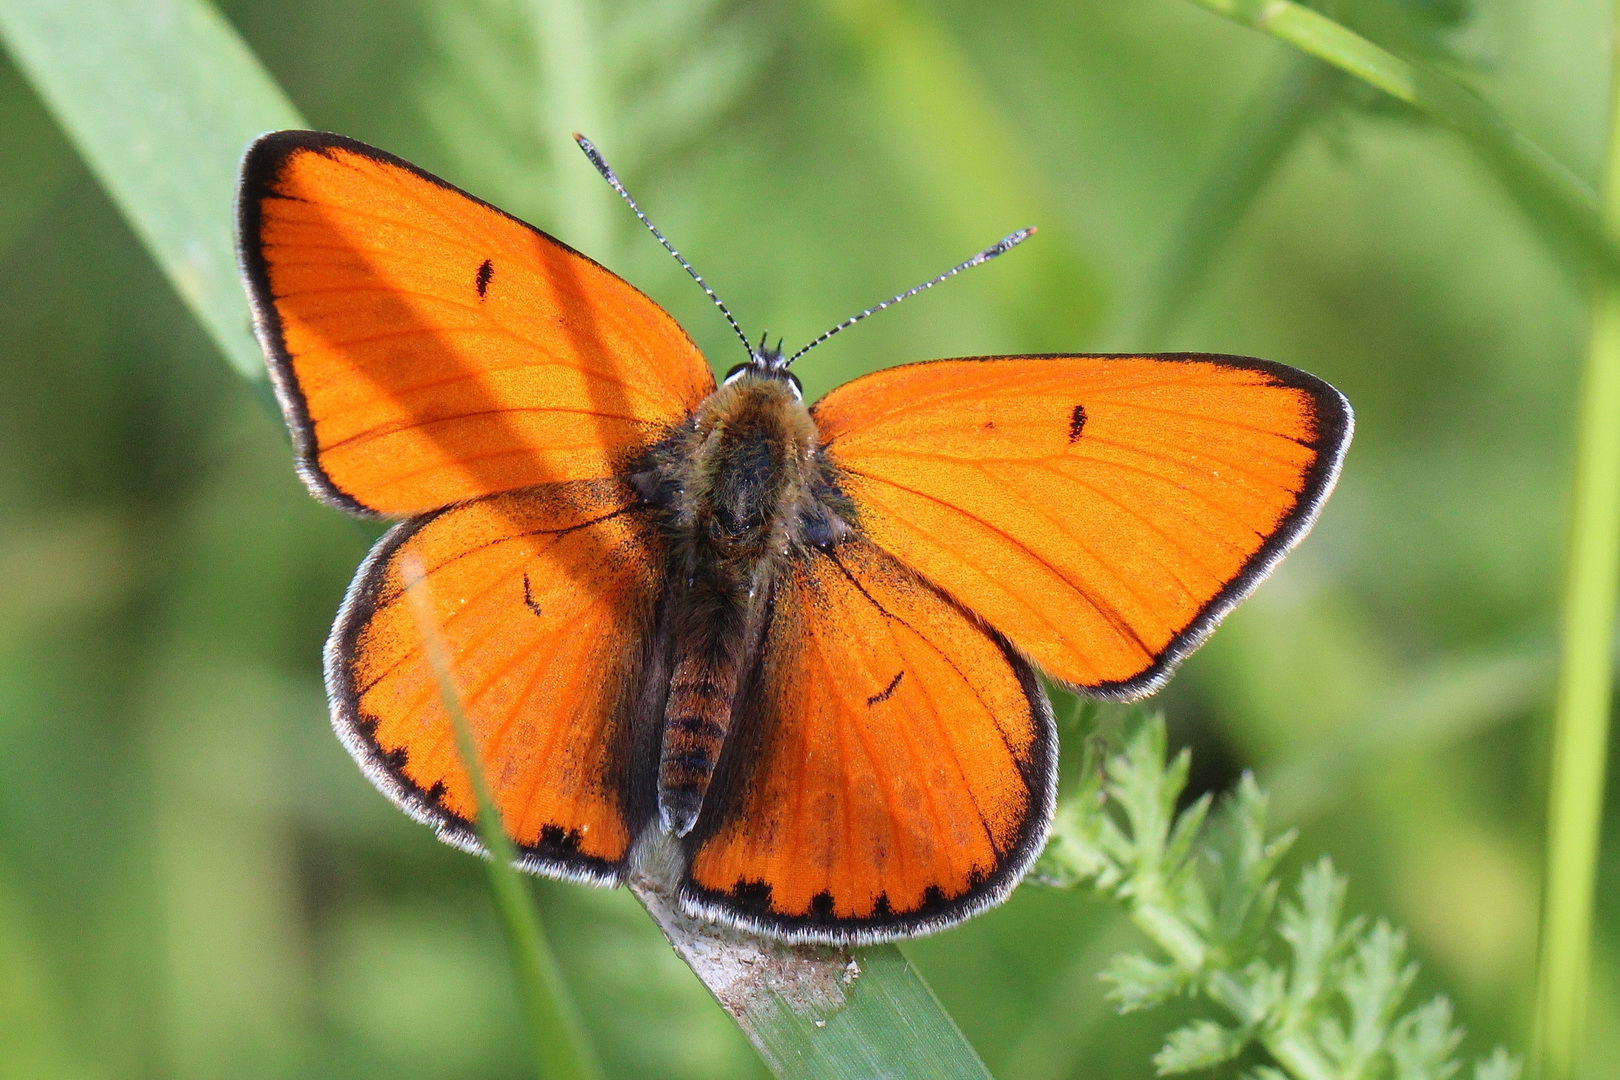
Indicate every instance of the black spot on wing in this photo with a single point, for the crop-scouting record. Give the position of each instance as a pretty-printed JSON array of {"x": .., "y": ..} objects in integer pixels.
[
  {"x": 821, "y": 905},
  {"x": 888, "y": 691},
  {"x": 556, "y": 840},
  {"x": 486, "y": 272},
  {"x": 1077, "y": 422},
  {"x": 752, "y": 893},
  {"x": 528, "y": 598}
]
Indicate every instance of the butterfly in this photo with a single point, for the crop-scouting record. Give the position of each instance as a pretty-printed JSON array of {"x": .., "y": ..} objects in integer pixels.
[{"x": 795, "y": 645}]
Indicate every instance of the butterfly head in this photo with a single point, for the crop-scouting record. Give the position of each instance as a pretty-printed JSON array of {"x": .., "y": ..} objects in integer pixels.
[{"x": 765, "y": 361}]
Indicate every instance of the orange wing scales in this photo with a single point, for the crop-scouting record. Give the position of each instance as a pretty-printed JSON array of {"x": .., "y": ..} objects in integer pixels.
[
  {"x": 899, "y": 770},
  {"x": 429, "y": 348},
  {"x": 545, "y": 599},
  {"x": 1102, "y": 512}
]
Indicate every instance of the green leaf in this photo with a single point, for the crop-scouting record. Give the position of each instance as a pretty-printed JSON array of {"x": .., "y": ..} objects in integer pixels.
[
  {"x": 161, "y": 97},
  {"x": 1135, "y": 982},
  {"x": 1201, "y": 1044},
  {"x": 1311, "y": 927},
  {"x": 1499, "y": 1066},
  {"x": 1423, "y": 1042},
  {"x": 1247, "y": 860},
  {"x": 1251, "y": 995},
  {"x": 813, "y": 1011},
  {"x": 1374, "y": 982}
]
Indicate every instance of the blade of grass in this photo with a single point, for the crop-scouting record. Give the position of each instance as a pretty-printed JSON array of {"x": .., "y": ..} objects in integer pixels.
[
  {"x": 562, "y": 1051},
  {"x": 813, "y": 1012},
  {"x": 160, "y": 97},
  {"x": 1586, "y": 675},
  {"x": 1268, "y": 130},
  {"x": 1554, "y": 199}
]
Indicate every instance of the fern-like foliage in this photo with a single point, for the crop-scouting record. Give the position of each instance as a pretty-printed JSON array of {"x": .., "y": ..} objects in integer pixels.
[{"x": 1321, "y": 996}]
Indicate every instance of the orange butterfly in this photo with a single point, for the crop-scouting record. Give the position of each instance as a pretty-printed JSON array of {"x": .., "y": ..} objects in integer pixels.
[{"x": 798, "y": 645}]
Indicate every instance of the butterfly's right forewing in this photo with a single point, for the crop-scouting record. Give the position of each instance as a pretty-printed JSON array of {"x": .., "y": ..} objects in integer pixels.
[
  {"x": 429, "y": 348},
  {"x": 1103, "y": 512}
]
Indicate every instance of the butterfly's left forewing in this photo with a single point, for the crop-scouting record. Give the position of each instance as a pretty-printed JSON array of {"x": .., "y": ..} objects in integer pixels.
[{"x": 891, "y": 768}]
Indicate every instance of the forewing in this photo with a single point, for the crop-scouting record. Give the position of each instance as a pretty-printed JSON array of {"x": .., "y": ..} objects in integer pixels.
[
  {"x": 428, "y": 348},
  {"x": 545, "y": 598},
  {"x": 891, "y": 769},
  {"x": 1103, "y": 512}
]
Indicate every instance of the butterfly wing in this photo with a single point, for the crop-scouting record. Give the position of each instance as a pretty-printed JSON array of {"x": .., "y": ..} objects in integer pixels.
[
  {"x": 546, "y": 598},
  {"x": 428, "y": 348},
  {"x": 1103, "y": 512},
  {"x": 891, "y": 768}
]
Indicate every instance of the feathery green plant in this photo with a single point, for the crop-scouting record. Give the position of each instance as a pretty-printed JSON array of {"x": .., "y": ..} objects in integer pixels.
[{"x": 1316, "y": 995}]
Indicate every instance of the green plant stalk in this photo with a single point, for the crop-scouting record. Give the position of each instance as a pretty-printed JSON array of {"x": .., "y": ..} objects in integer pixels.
[
  {"x": 562, "y": 1050},
  {"x": 1554, "y": 199},
  {"x": 1585, "y": 678}
]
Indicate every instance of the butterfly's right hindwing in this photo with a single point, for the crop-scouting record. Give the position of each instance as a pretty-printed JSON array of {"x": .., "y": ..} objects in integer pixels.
[{"x": 546, "y": 599}]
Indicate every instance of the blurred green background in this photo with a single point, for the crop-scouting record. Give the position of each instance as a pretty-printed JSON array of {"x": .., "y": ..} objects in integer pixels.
[{"x": 196, "y": 882}]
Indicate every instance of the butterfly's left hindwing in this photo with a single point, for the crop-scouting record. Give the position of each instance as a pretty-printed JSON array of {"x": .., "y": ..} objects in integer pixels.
[
  {"x": 892, "y": 766},
  {"x": 546, "y": 600}
]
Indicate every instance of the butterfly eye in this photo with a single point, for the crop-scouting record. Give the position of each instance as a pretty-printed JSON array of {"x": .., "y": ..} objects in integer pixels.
[{"x": 732, "y": 375}]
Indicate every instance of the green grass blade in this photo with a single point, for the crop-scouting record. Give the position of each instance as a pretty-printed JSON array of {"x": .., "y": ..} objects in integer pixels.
[
  {"x": 1559, "y": 204},
  {"x": 160, "y": 97},
  {"x": 562, "y": 1051},
  {"x": 1585, "y": 679},
  {"x": 815, "y": 1012}
]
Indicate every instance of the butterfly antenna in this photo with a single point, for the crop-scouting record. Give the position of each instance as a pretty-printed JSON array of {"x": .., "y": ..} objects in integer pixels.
[
  {"x": 608, "y": 174},
  {"x": 1005, "y": 244}
]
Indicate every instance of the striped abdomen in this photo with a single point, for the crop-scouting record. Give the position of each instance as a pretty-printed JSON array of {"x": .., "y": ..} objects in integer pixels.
[{"x": 697, "y": 719}]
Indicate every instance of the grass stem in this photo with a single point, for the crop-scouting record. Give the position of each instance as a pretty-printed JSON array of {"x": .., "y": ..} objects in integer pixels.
[
  {"x": 1585, "y": 679},
  {"x": 1562, "y": 207},
  {"x": 562, "y": 1051}
]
